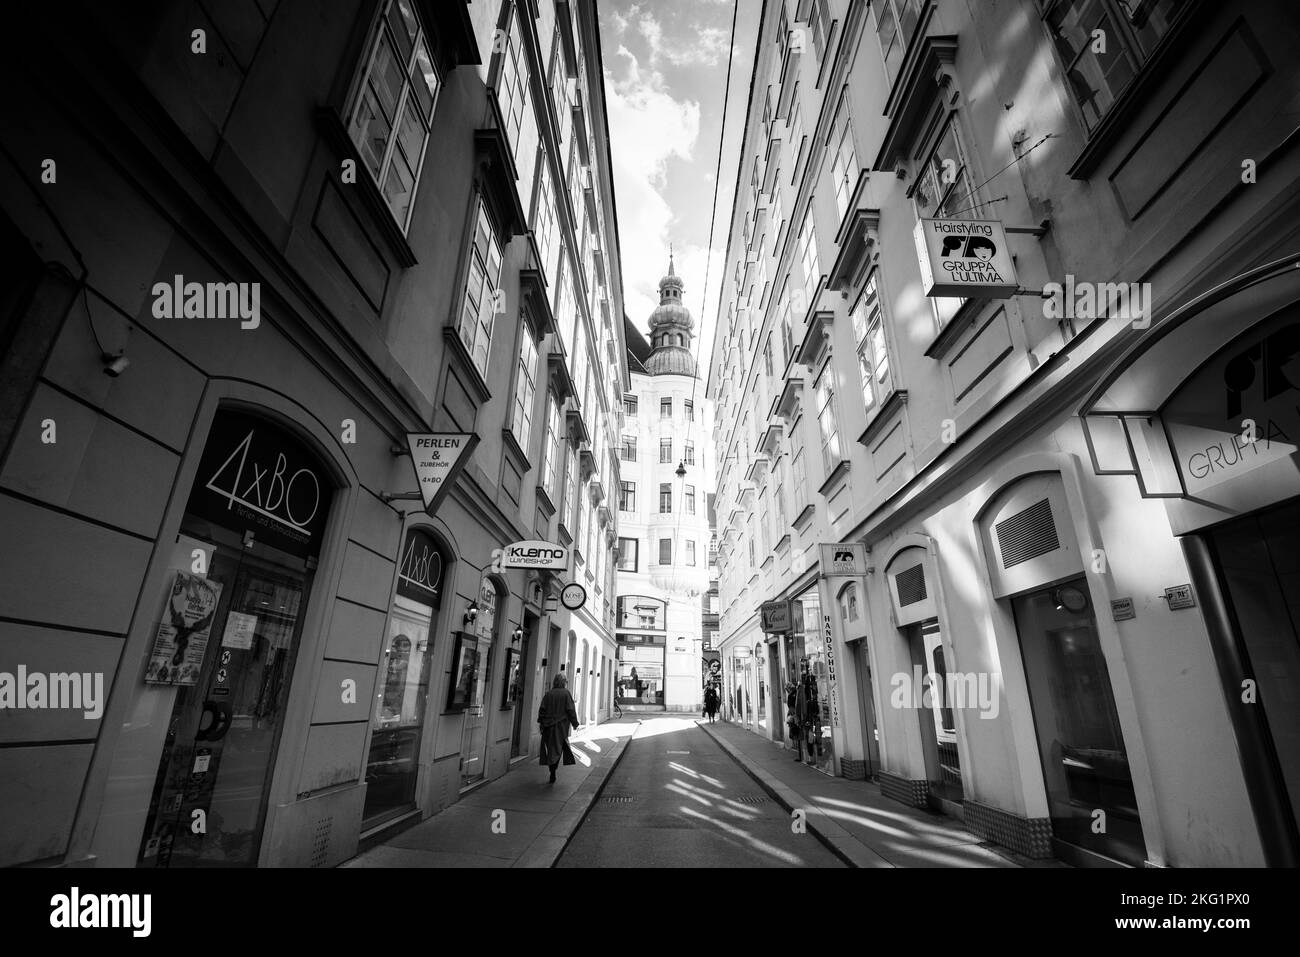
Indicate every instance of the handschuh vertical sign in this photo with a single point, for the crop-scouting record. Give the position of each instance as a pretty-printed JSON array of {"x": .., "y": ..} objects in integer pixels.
[{"x": 437, "y": 458}]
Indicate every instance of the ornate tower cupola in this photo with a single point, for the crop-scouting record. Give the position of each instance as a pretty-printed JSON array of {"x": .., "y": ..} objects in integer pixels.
[{"x": 671, "y": 329}]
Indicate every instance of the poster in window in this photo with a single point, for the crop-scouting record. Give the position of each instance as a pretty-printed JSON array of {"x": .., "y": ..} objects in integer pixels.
[
  {"x": 514, "y": 683},
  {"x": 182, "y": 637},
  {"x": 464, "y": 673}
]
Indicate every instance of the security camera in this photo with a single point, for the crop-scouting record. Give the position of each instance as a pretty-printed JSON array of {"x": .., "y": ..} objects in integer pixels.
[{"x": 114, "y": 365}]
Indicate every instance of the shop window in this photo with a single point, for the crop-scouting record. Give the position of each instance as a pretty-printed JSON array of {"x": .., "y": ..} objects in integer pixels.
[
  {"x": 1103, "y": 44},
  {"x": 481, "y": 291},
  {"x": 404, "y": 670},
  {"x": 641, "y": 612},
  {"x": 1080, "y": 743},
  {"x": 392, "y": 108}
]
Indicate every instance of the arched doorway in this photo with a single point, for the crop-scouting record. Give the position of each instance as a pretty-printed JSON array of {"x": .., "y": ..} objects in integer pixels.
[
  {"x": 397, "y": 723},
  {"x": 228, "y": 638}
]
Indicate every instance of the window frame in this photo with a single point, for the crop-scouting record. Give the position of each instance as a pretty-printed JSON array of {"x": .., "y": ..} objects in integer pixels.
[
  {"x": 481, "y": 224},
  {"x": 356, "y": 96}
]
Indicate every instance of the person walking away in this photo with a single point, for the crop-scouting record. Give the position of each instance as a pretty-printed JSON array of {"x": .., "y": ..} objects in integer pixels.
[
  {"x": 711, "y": 702},
  {"x": 557, "y": 717}
]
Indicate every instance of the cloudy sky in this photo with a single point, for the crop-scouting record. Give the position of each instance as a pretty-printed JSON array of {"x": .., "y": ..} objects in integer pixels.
[{"x": 665, "y": 72}]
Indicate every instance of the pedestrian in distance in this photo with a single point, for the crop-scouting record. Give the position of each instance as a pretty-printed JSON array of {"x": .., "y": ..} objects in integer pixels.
[
  {"x": 557, "y": 717},
  {"x": 711, "y": 703}
]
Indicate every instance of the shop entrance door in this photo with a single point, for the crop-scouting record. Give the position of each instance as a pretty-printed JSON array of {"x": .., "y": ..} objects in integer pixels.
[
  {"x": 228, "y": 637},
  {"x": 519, "y": 689},
  {"x": 777, "y": 699},
  {"x": 1259, "y": 559},
  {"x": 222, "y": 740},
  {"x": 938, "y": 721},
  {"x": 476, "y": 669},
  {"x": 867, "y": 702}
]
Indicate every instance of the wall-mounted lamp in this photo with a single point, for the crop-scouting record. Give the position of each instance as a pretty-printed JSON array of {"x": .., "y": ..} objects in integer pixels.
[
  {"x": 517, "y": 636},
  {"x": 681, "y": 468},
  {"x": 471, "y": 613}
]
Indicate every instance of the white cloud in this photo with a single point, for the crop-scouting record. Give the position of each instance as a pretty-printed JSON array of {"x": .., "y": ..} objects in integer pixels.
[{"x": 647, "y": 128}]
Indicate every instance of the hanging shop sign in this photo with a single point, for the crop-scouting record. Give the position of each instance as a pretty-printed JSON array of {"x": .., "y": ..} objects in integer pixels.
[
  {"x": 965, "y": 257},
  {"x": 256, "y": 478},
  {"x": 775, "y": 617},
  {"x": 843, "y": 559},
  {"x": 545, "y": 556},
  {"x": 573, "y": 596},
  {"x": 437, "y": 458}
]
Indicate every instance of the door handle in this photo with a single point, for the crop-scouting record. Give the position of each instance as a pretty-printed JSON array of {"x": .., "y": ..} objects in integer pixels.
[{"x": 214, "y": 729}]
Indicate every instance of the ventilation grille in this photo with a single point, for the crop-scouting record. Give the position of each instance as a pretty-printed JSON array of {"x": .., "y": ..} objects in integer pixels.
[
  {"x": 911, "y": 585},
  {"x": 320, "y": 841},
  {"x": 1027, "y": 534}
]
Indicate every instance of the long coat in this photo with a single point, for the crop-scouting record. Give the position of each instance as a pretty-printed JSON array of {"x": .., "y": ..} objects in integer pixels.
[{"x": 557, "y": 716}]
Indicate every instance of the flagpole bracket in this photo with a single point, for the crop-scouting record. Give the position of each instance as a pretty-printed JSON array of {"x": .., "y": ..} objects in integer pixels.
[{"x": 401, "y": 497}]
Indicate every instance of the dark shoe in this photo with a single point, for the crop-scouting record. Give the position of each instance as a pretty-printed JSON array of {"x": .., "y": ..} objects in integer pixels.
[{"x": 552, "y": 774}]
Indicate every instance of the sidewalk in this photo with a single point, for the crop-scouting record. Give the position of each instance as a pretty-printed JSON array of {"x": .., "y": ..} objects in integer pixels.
[
  {"x": 854, "y": 818},
  {"x": 538, "y": 817}
]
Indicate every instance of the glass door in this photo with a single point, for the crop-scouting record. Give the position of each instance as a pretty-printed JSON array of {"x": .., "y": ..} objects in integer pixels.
[
  {"x": 221, "y": 743},
  {"x": 1259, "y": 559},
  {"x": 474, "y": 669},
  {"x": 517, "y": 684},
  {"x": 1085, "y": 765}
]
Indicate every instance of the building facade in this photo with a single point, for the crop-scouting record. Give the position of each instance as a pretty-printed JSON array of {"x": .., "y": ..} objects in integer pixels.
[
  {"x": 291, "y": 236},
  {"x": 1065, "y": 507},
  {"x": 663, "y": 521}
]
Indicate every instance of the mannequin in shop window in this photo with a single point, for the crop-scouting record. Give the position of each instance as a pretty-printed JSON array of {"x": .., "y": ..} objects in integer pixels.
[
  {"x": 809, "y": 711},
  {"x": 792, "y": 717}
]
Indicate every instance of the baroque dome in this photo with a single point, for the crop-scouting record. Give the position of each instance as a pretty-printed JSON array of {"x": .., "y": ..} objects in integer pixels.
[{"x": 671, "y": 330}]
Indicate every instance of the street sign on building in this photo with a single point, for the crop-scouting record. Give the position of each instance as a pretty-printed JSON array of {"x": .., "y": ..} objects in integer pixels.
[
  {"x": 543, "y": 556},
  {"x": 775, "y": 617},
  {"x": 437, "y": 458},
  {"x": 844, "y": 558},
  {"x": 965, "y": 257}
]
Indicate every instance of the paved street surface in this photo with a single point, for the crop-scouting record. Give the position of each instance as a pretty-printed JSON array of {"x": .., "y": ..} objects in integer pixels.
[
  {"x": 866, "y": 827},
  {"x": 676, "y": 799},
  {"x": 538, "y": 819}
]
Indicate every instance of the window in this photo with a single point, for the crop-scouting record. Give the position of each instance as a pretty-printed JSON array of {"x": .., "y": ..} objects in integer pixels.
[
  {"x": 818, "y": 23},
  {"x": 665, "y": 497},
  {"x": 566, "y": 510},
  {"x": 690, "y": 410},
  {"x": 690, "y": 453},
  {"x": 389, "y": 118},
  {"x": 1131, "y": 29},
  {"x": 551, "y": 454},
  {"x": 481, "y": 298},
  {"x": 559, "y": 88},
  {"x": 627, "y": 554},
  {"x": 796, "y": 133},
  {"x": 512, "y": 83},
  {"x": 521, "y": 419},
  {"x": 787, "y": 333},
  {"x": 808, "y": 256},
  {"x": 566, "y": 307},
  {"x": 629, "y": 406},
  {"x": 799, "y": 474},
  {"x": 665, "y": 451},
  {"x": 873, "y": 359},
  {"x": 627, "y": 496},
  {"x": 826, "y": 422},
  {"x": 628, "y": 450},
  {"x": 665, "y": 408},
  {"x": 895, "y": 22},
  {"x": 690, "y": 552},
  {"x": 665, "y": 551},
  {"x": 690, "y": 500},
  {"x": 777, "y": 217},
  {"x": 544, "y": 223},
  {"x": 844, "y": 161},
  {"x": 943, "y": 189}
]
